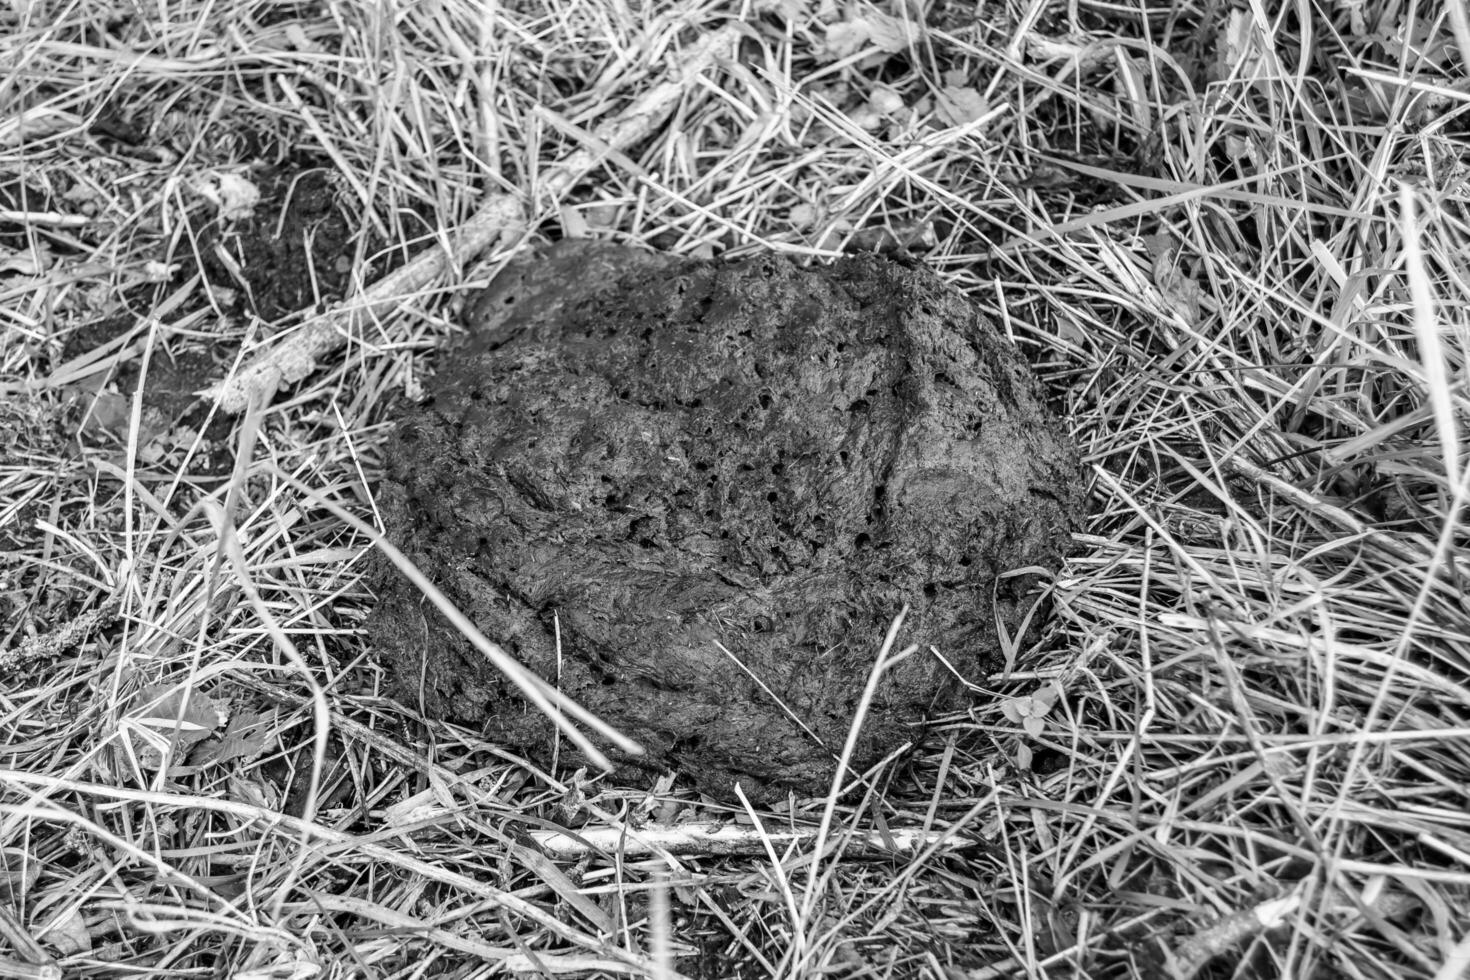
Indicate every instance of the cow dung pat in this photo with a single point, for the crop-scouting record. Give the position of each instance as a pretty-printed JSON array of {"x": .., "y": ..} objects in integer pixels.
[{"x": 694, "y": 495}]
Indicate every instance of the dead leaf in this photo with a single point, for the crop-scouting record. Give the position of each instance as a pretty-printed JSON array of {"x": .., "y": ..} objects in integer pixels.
[
  {"x": 154, "y": 271},
  {"x": 865, "y": 119},
  {"x": 791, "y": 11},
  {"x": 960, "y": 105},
  {"x": 232, "y": 193},
  {"x": 1237, "y": 49},
  {"x": 1132, "y": 88},
  {"x": 1181, "y": 292},
  {"x": 885, "y": 101},
  {"x": 802, "y": 215},
  {"x": 18, "y": 872},
  {"x": 844, "y": 40},
  {"x": 67, "y": 934},
  {"x": 297, "y": 37},
  {"x": 29, "y": 263},
  {"x": 420, "y": 806},
  {"x": 1241, "y": 149},
  {"x": 251, "y": 792},
  {"x": 108, "y": 414},
  {"x": 175, "y": 718},
  {"x": 1045, "y": 177},
  {"x": 245, "y": 737},
  {"x": 883, "y": 32},
  {"x": 891, "y": 34}
]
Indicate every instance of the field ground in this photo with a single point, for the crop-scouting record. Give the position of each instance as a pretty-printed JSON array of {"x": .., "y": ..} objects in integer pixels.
[{"x": 1232, "y": 239}]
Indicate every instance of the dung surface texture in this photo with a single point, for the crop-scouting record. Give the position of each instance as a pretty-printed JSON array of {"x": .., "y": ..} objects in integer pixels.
[{"x": 720, "y": 482}]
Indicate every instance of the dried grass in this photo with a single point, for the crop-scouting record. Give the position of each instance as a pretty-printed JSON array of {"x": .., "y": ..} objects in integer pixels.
[{"x": 1233, "y": 243}]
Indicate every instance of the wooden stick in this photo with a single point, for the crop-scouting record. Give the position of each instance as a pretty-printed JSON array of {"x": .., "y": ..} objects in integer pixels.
[{"x": 707, "y": 839}]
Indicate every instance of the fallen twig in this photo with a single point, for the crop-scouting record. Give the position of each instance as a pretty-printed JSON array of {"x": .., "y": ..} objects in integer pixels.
[
  {"x": 712, "y": 838},
  {"x": 60, "y": 639},
  {"x": 1230, "y": 932}
]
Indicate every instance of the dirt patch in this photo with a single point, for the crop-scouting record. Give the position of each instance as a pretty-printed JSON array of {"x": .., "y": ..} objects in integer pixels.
[
  {"x": 718, "y": 483},
  {"x": 292, "y": 254}
]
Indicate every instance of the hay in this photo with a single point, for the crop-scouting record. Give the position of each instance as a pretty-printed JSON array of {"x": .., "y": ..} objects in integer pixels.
[{"x": 1233, "y": 243}]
